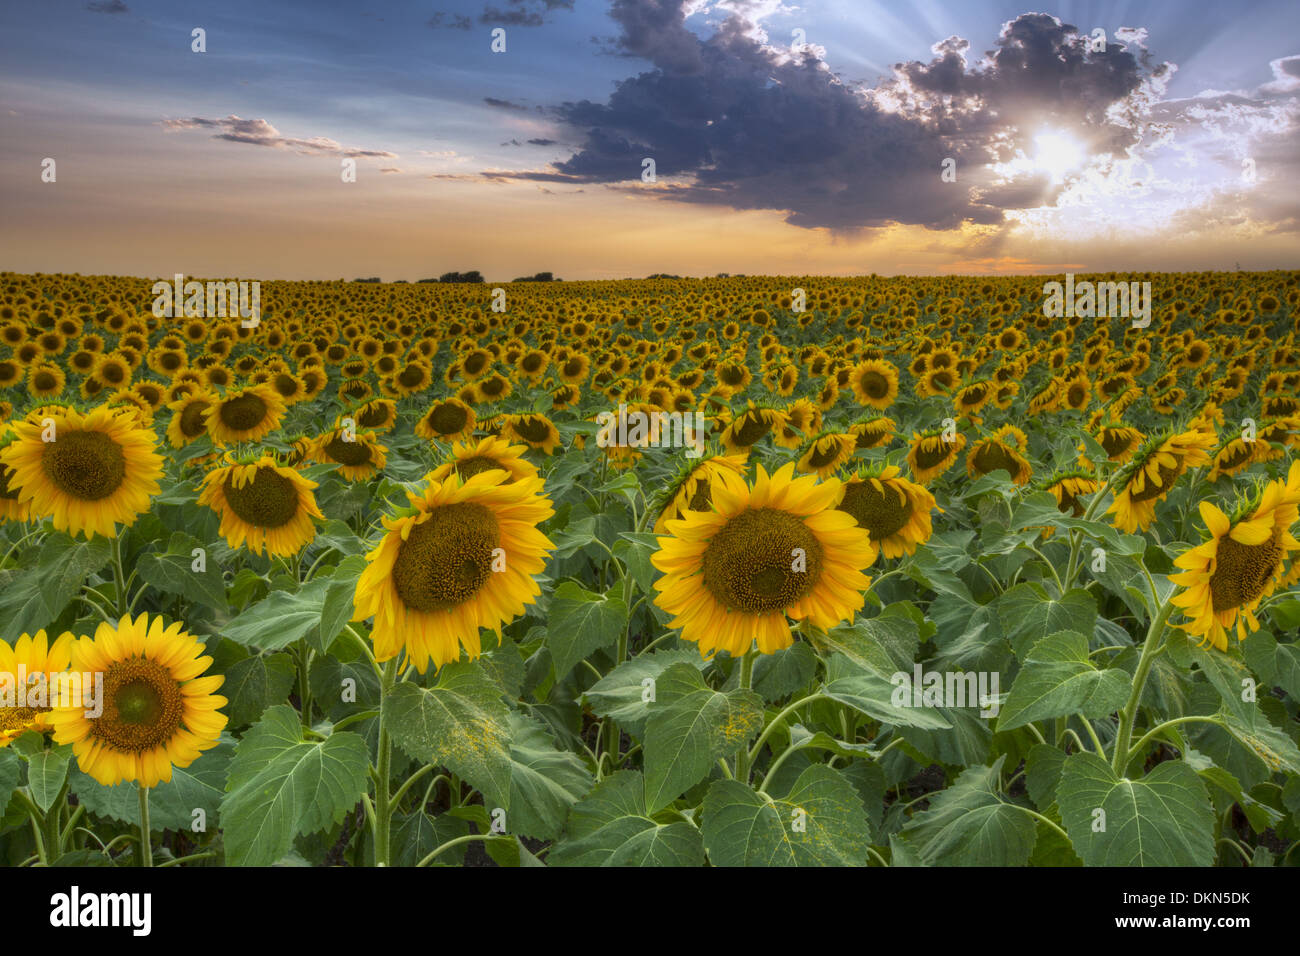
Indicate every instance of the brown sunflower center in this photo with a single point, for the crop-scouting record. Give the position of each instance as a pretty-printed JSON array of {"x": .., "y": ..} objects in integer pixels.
[
  {"x": 754, "y": 563},
  {"x": 532, "y": 362},
  {"x": 270, "y": 500},
  {"x": 532, "y": 429},
  {"x": 447, "y": 419},
  {"x": 373, "y": 417},
  {"x": 875, "y": 385},
  {"x": 467, "y": 468},
  {"x": 44, "y": 381},
  {"x": 143, "y": 705},
  {"x": 351, "y": 453},
  {"x": 192, "y": 424},
  {"x": 753, "y": 428},
  {"x": 243, "y": 413},
  {"x": 994, "y": 455},
  {"x": 85, "y": 464},
  {"x": 932, "y": 453},
  {"x": 1243, "y": 571},
  {"x": 446, "y": 559},
  {"x": 411, "y": 376},
  {"x": 882, "y": 514},
  {"x": 732, "y": 374},
  {"x": 824, "y": 455},
  {"x": 475, "y": 363},
  {"x": 1151, "y": 490}
]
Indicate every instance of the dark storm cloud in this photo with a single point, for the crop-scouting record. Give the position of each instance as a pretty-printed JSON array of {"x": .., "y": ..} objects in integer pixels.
[
  {"x": 522, "y": 13},
  {"x": 750, "y": 126},
  {"x": 503, "y": 104},
  {"x": 450, "y": 21}
]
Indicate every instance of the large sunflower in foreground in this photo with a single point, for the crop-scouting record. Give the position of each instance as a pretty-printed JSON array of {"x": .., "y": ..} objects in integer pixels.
[
  {"x": 157, "y": 711},
  {"x": 1243, "y": 562},
  {"x": 693, "y": 489},
  {"x": 775, "y": 550},
  {"x": 464, "y": 560},
  {"x": 12, "y": 508},
  {"x": 472, "y": 458},
  {"x": 30, "y": 661},
  {"x": 1152, "y": 473},
  {"x": 245, "y": 414},
  {"x": 100, "y": 469},
  {"x": 265, "y": 505}
]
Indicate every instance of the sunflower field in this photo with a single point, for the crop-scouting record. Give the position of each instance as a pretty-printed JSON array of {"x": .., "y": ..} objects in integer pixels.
[{"x": 748, "y": 571}]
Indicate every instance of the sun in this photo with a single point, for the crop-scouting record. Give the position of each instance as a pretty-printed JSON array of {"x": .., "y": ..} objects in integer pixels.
[{"x": 1056, "y": 154}]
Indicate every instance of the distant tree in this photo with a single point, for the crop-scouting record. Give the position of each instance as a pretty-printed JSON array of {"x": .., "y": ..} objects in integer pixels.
[
  {"x": 371, "y": 279},
  {"x": 472, "y": 276},
  {"x": 539, "y": 277},
  {"x": 663, "y": 275},
  {"x": 426, "y": 280}
]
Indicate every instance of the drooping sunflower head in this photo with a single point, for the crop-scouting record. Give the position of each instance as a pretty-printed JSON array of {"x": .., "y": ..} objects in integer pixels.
[
  {"x": 188, "y": 416},
  {"x": 533, "y": 429},
  {"x": 267, "y": 506},
  {"x": 1150, "y": 476},
  {"x": 1001, "y": 451},
  {"x": 895, "y": 512},
  {"x": 826, "y": 453},
  {"x": 379, "y": 415},
  {"x": 88, "y": 472},
  {"x": 244, "y": 414},
  {"x": 463, "y": 560},
  {"x": 1244, "y": 560},
  {"x": 933, "y": 452},
  {"x": 802, "y": 418},
  {"x": 775, "y": 550},
  {"x": 692, "y": 489},
  {"x": 1233, "y": 457},
  {"x": 874, "y": 432},
  {"x": 750, "y": 427},
  {"x": 27, "y": 676},
  {"x": 157, "y": 712},
  {"x": 487, "y": 454}
]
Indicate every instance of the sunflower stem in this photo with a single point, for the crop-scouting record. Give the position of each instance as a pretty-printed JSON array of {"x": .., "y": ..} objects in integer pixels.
[
  {"x": 383, "y": 808},
  {"x": 1128, "y": 715},
  {"x": 746, "y": 683},
  {"x": 119, "y": 576},
  {"x": 146, "y": 841}
]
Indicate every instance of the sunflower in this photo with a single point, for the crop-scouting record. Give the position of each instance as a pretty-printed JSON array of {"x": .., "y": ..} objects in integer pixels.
[
  {"x": 1003, "y": 450},
  {"x": 379, "y": 415},
  {"x": 24, "y": 668},
  {"x": 873, "y": 432},
  {"x": 45, "y": 380},
  {"x": 1119, "y": 442},
  {"x": 487, "y": 454},
  {"x": 100, "y": 469},
  {"x": 12, "y": 508},
  {"x": 1224, "y": 579},
  {"x": 245, "y": 414},
  {"x": 157, "y": 712},
  {"x": 188, "y": 418},
  {"x": 262, "y": 504},
  {"x": 447, "y": 420},
  {"x": 1233, "y": 457},
  {"x": 895, "y": 511},
  {"x": 1067, "y": 488},
  {"x": 693, "y": 488},
  {"x": 464, "y": 560},
  {"x": 874, "y": 383},
  {"x": 749, "y": 427},
  {"x": 359, "y": 456},
  {"x": 533, "y": 429},
  {"x": 931, "y": 454},
  {"x": 775, "y": 550},
  {"x": 1152, "y": 473},
  {"x": 826, "y": 453}
]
